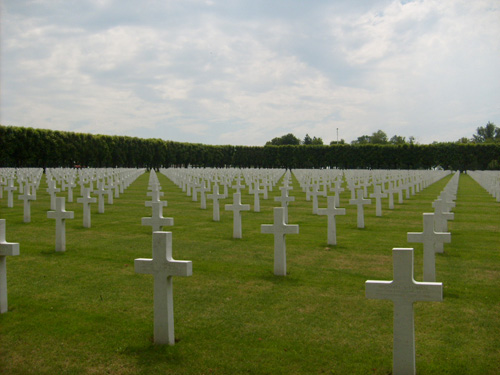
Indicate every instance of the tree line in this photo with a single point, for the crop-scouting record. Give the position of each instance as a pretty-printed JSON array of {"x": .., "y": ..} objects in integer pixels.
[{"x": 28, "y": 147}]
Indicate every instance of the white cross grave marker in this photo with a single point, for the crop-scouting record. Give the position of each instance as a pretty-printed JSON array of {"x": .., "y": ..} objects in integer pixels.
[
  {"x": 429, "y": 238},
  {"x": 237, "y": 207},
  {"x": 378, "y": 195},
  {"x": 284, "y": 199},
  {"x": 27, "y": 197},
  {"x": 52, "y": 190},
  {"x": 360, "y": 202},
  {"x": 157, "y": 221},
  {"x": 86, "y": 200},
  {"x": 331, "y": 211},
  {"x": 279, "y": 229},
  {"x": 6, "y": 249},
  {"x": 404, "y": 291},
  {"x": 10, "y": 193},
  {"x": 60, "y": 214},
  {"x": 215, "y": 196},
  {"x": 163, "y": 267},
  {"x": 100, "y": 197}
]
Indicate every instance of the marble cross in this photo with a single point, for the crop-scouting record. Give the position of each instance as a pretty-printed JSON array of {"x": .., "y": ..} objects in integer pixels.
[
  {"x": 157, "y": 221},
  {"x": 429, "y": 238},
  {"x": 360, "y": 202},
  {"x": 331, "y": 211},
  {"x": 163, "y": 267},
  {"x": 215, "y": 197},
  {"x": 404, "y": 291},
  {"x": 27, "y": 197},
  {"x": 284, "y": 198},
  {"x": 52, "y": 190},
  {"x": 378, "y": 195},
  {"x": 60, "y": 214},
  {"x": 6, "y": 249},
  {"x": 86, "y": 200},
  {"x": 237, "y": 207},
  {"x": 279, "y": 229},
  {"x": 10, "y": 193}
]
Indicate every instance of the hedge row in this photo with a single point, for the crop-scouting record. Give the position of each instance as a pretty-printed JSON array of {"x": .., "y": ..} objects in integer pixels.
[{"x": 28, "y": 147}]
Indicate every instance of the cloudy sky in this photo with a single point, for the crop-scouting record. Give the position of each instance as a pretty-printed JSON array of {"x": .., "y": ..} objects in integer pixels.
[{"x": 245, "y": 71}]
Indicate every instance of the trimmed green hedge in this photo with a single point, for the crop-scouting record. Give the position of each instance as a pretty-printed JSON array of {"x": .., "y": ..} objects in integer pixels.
[{"x": 28, "y": 147}]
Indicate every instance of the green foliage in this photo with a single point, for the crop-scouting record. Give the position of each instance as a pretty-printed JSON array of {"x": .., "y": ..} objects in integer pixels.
[
  {"x": 489, "y": 133},
  {"x": 287, "y": 139},
  {"x": 27, "y": 147}
]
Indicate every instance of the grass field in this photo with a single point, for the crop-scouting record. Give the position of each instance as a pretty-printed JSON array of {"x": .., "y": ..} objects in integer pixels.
[{"x": 85, "y": 311}]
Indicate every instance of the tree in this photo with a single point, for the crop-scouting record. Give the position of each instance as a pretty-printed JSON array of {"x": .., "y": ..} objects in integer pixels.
[
  {"x": 363, "y": 140},
  {"x": 317, "y": 141},
  {"x": 307, "y": 140},
  {"x": 397, "y": 140},
  {"x": 288, "y": 139},
  {"x": 488, "y": 133},
  {"x": 379, "y": 138},
  {"x": 341, "y": 142}
]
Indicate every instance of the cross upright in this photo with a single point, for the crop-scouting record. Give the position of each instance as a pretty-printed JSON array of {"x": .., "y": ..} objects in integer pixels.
[
  {"x": 390, "y": 192},
  {"x": 163, "y": 267},
  {"x": 86, "y": 200},
  {"x": 429, "y": 238},
  {"x": 100, "y": 197},
  {"x": 403, "y": 291},
  {"x": 378, "y": 195},
  {"x": 256, "y": 191},
  {"x": 10, "y": 193},
  {"x": 331, "y": 211},
  {"x": 284, "y": 199},
  {"x": 337, "y": 189},
  {"x": 52, "y": 190},
  {"x": 238, "y": 185},
  {"x": 315, "y": 193},
  {"x": 237, "y": 207},
  {"x": 443, "y": 205},
  {"x": 70, "y": 185},
  {"x": 279, "y": 229},
  {"x": 27, "y": 197},
  {"x": 215, "y": 197},
  {"x": 203, "y": 197},
  {"x": 360, "y": 202},
  {"x": 60, "y": 214},
  {"x": 157, "y": 221},
  {"x": 155, "y": 195},
  {"x": 6, "y": 249}
]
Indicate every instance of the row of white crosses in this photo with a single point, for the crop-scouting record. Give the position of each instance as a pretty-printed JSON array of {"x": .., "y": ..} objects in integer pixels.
[
  {"x": 162, "y": 266},
  {"x": 156, "y": 221},
  {"x": 29, "y": 180},
  {"x": 404, "y": 291},
  {"x": 489, "y": 180}
]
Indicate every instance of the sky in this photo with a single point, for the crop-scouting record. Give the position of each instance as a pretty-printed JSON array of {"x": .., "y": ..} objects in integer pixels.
[{"x": 243, "y": 72}]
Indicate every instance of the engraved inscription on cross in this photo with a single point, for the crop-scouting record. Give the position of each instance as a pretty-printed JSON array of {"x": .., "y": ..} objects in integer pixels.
[
  {"x": 404, "y": 291},
  {"x": 279, "y": 229},
  {"x": 163, "y": 267},
  {"x": 6, "y": 249}
]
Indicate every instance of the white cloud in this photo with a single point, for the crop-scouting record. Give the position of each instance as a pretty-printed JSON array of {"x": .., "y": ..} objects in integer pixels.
[{"x": 234, "y": 72}]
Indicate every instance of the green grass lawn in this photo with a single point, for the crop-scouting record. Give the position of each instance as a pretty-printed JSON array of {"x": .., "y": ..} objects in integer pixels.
[{"x": 86, "y": 311}]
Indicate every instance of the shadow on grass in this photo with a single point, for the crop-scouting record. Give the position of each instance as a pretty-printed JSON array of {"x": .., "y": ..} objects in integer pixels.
[{"x": 150, "y": 355}]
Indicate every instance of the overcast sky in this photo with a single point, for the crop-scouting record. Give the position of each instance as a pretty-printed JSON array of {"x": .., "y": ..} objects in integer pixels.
[{"x": 245, "y": 71}]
